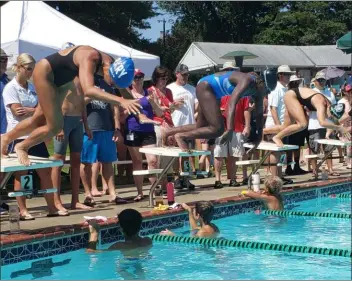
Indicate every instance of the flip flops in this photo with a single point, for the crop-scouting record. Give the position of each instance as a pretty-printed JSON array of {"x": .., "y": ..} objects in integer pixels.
[
  {"x": 58, "y": 214},
  {"x": 27, "y": 217},
  {"x": 89, "y": 202},
  {"x": 119, "y": 200}
]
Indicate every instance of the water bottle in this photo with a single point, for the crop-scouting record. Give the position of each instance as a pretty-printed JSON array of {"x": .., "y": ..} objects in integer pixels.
[
  {"x": 158, "y": 196},
  {"x": 170, "y": 193},
  {"x": 14, "y": 219},
  {"x": 324, "y": 174},
  {"x": 255, "y": 182}
]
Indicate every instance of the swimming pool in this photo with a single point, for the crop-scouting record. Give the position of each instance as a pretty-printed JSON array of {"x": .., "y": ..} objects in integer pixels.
[{"x": 185, "y": 261}]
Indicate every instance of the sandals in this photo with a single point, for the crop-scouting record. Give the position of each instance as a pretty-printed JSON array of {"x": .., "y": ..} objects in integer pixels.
[
  {"x": 334, "y": 174},
  {"x": 27, "y": 217},
  {"x": 138, "y": 198},
  {"x": 119, "y": 200},
  {"x": 58, "y": 214},
  {"x": 89, "y": 202}
]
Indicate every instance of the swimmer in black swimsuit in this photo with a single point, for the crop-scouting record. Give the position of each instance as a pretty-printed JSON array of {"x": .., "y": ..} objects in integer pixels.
[
  {"x": 53, "y": 76},
  {"x": 295, "y": 117}
]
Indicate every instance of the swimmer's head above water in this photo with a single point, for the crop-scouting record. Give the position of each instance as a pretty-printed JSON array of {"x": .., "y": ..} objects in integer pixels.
[
  {"x": 130, "y": 221},
  {"x": 273, "y": 185},
  {"x": 204, "y": 210}
]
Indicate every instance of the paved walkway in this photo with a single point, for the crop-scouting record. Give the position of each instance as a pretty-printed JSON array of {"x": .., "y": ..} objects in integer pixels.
[{"x": 204, "y": 191}]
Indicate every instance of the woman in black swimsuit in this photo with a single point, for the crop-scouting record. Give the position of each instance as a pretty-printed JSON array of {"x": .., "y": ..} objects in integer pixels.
[
  {"x": 52, "y": 77},
  {"x": 295, "y": 118}
]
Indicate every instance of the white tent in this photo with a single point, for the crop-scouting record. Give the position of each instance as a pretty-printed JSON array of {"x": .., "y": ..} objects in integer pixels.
[{"x": 34, "y": 27}]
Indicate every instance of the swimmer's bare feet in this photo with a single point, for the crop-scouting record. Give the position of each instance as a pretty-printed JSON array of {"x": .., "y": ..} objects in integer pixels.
[
  {"x": 278, "y": 141},
  {"x": 145, "y": 120},
  {"x": 80, "y": 206},
  {"x": 22, "y": 155},
  {"x": 4, "y": 146},
  {"x": 182, "y": 144}
]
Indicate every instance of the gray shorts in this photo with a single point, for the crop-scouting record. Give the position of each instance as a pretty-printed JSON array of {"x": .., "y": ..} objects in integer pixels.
[
  {"x": 73, "y": 130},
  {"x": 316, "y": 135}
]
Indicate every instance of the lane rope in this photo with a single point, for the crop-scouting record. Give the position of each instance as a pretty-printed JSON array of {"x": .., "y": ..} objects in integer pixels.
[
  {"x": 306, "y": 214},
  {"x": 253, "y": 245}
]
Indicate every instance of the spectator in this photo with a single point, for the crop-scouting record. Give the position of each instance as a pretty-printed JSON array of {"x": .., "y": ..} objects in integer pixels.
[
  {"x": 74, "y": 112},
  {"x": 276, "y": 113},
  {"x": 235, "y": 148},
  {"x": 314, "y": 129},
  {"x": 20, "y": 100},
  {"x": 184, "y": 94},
  {"x": 104, "y": 123},
  {"x": 3, "y": 123},
  {"x": 163, "y": 97},
  {"x": 138, "y": 134}
]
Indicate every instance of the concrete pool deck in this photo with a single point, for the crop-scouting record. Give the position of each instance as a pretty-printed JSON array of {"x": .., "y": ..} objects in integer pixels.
[{"x": 44, "y": 227}]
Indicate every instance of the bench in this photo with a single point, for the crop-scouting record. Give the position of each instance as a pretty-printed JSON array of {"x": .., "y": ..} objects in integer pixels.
[{"x": 147, "y": 172}]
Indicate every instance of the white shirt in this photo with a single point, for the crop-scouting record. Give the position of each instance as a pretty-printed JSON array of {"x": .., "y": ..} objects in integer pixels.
[
  {"x": 276, "y": 99},
  {"x": 313, "y": 119},
  {"x": 185, "y": 114},
  {"x": 15, "y": 93},
  {"x": 347, "y": 109}
]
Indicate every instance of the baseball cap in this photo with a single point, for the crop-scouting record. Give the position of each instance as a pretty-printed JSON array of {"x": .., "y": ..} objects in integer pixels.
[
  {"x": 320, "y": 75},
  {"x": 229, "y": 65},
  {"x": 284, "y": 69},
  {"x": 137, "y": 71},
  {"x": 122, "y": 71},
  {"x": 181, "y": 68},
  {"x": 337, "y": 110}
]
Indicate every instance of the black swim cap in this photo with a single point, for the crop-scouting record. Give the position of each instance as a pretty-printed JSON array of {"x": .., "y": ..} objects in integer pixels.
[{"x": 269, "y": 76}]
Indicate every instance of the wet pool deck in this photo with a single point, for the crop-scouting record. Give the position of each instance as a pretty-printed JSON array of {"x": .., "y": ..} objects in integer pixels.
[{"x": 43, "y": 226}]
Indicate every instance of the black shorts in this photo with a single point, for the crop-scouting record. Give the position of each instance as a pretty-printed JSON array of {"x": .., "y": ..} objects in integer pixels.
[
  {"x": 39, "y": 150},
  {"x": 298, "y": 138},
  {"x": 140, "y": 139}
]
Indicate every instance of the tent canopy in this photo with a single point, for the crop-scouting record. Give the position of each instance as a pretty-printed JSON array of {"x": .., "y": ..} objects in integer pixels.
[
  {"x": 34, "y": 27},
  {"x": 345, "y": 43}
]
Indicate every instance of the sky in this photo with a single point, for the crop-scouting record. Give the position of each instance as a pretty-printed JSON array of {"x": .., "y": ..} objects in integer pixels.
[{"x": 153, "y": 33}]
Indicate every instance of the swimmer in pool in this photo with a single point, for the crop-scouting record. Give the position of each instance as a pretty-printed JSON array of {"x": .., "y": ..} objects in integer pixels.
[
  {"x": 52, "y": 77},
  {"x": 209, "y": 91},
  {"x": 202, "y": 214},
  {"x": 134, "y": 246},
  {"x": 271, "y": 195}
]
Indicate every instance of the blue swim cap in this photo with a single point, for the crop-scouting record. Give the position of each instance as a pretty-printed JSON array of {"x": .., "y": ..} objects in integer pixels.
[
  {"x": 67, "y": 45},
  {"x": 122, "y": 72}
]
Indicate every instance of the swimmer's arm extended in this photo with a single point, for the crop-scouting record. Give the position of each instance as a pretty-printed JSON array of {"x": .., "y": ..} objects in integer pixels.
[
  {"x": 242, "y": 81},
  {"x": 192, "y": 221},
  {"x": 255, "y": 195}
]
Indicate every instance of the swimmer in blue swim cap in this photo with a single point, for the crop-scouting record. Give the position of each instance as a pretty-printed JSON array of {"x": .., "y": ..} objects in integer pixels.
[
  {"x": 209, "y": 91},
  {"x": 53, "y": 76}
]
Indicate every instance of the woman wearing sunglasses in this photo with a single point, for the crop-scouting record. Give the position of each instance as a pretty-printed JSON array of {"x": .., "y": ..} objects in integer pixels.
[{"x": 20, "y": 100}]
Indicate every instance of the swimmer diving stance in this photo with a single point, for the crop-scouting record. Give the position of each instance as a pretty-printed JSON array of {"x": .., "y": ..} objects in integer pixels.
[
  {"x": 209, "y": 91},
  {"x": 53, "y": 76}
]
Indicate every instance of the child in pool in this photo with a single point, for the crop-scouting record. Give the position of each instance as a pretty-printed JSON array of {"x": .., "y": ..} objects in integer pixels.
[
  {"x": 202, "y": 214},
  {"x": 271, "y": 195},
  {"x": 134, "y": 245}
]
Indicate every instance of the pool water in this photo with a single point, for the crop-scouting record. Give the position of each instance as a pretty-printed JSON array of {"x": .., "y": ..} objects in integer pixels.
[{"x": 171, "y": 261}]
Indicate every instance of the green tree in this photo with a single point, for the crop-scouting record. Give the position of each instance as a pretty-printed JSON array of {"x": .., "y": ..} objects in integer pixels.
[{"x": 304, "y": 23}]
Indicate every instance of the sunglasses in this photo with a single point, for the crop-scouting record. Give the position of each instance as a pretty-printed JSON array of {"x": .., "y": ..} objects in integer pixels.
[
  {"x": 286, "y": 74},
  {"x": 28, "y": 68},
  {"x": 164, "y": 78},
  {"x": 138, "y": 77},
  {"x": 185, "y": 74},
  {"x": 3, "y": 59},
  {"x": 321, "y": 80}
]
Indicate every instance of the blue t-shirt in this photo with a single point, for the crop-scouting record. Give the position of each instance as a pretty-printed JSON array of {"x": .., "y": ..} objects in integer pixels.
[
  {"x": 3, "y": 123},
  {"x": 223, "y": 87}
]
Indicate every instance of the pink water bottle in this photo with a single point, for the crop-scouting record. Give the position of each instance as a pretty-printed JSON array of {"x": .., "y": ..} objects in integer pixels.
[{"x": 170, "y": 193}]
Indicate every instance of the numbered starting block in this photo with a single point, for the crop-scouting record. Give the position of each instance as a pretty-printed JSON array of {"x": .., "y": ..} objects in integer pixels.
[
  {"x": 27, "y": 188},
  {"x": 10, "y": 165}
]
